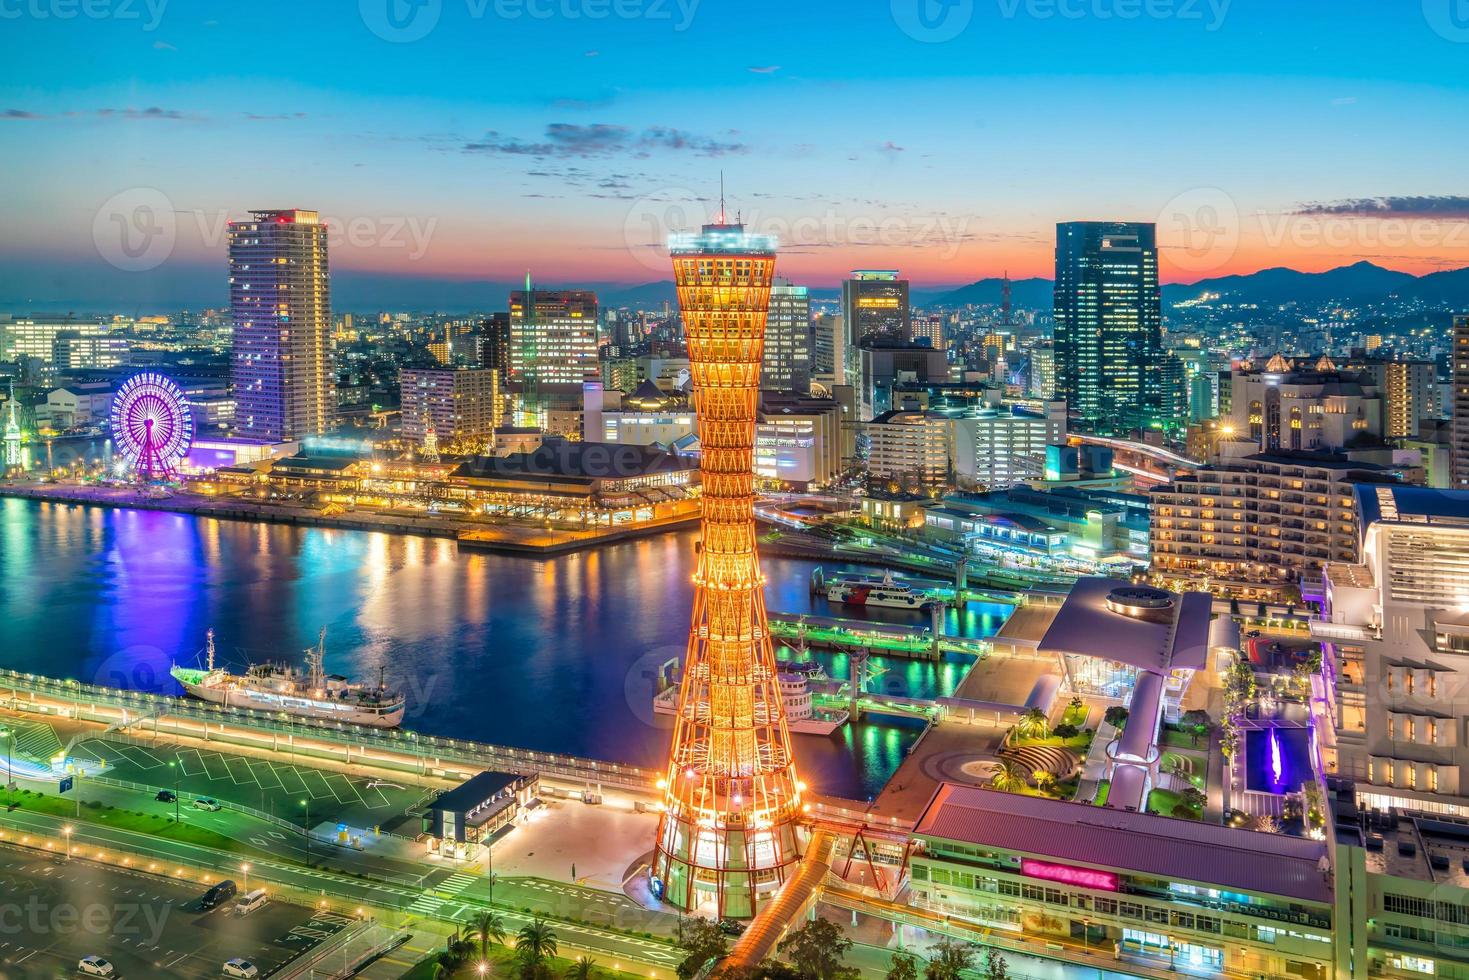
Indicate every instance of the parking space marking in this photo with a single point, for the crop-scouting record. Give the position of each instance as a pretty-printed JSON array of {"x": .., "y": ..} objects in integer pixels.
[
  {"x": 291, "y": 780},
  {"x": 316, "y": 786},
  {"x": 265, "y": 775},
  {"x": 239, "y": 770}
]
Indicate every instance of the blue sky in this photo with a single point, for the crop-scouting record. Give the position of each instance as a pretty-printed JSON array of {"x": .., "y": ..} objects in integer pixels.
[{"x": 570, "y": 135}]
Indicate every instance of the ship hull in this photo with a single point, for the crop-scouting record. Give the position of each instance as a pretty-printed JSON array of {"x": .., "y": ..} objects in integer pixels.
[{"x": 345, "y": 713}]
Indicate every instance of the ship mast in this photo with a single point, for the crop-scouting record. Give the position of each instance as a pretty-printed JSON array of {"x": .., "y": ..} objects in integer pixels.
[
  {"x": 315, "y": 656},
  {"x": 209, "y": 649}
]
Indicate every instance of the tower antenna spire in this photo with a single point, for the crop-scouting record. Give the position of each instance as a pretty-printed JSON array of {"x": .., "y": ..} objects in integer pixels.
[{"x": 721, "y": 197}]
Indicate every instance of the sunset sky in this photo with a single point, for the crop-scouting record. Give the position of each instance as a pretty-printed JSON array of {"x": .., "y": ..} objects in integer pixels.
[{"x": 450, "y": 140}]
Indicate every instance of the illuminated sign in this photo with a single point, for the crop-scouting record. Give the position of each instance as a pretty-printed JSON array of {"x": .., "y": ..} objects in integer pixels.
[{"x": 1084, "y": 877}]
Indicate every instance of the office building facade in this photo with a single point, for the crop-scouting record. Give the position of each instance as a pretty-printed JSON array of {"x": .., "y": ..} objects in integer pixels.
[
  {"x": 787, "y": 364},
  {"x": 462, "y": 406},
  {"x": 1108, "y": 333}
]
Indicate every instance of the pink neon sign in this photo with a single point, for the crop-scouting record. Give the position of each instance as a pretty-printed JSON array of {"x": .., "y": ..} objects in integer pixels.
[{"x": 1104, "y": 881}]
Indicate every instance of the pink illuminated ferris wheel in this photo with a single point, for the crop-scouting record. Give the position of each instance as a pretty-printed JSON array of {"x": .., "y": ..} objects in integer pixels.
[{"x": 152, "y": 426}]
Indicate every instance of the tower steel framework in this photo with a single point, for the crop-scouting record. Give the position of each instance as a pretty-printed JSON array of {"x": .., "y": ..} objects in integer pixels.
[{"x": 728, "y": 833}]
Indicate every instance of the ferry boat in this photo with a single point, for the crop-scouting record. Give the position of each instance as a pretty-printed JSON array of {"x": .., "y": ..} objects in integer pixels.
[
  {"x": 311, "y": 693},
  {"x": 879, "y": 591},
  {"x": 802, "y": 717}
]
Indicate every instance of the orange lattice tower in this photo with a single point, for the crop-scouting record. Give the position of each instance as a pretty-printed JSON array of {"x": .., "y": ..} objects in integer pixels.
[{"x": 728, "y": 836}]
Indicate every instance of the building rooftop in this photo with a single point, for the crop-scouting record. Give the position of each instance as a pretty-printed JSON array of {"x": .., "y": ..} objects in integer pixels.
[
  {"x": 1142, "y": 843},
  {"x": 475, "y": 791},
  {"x": 1411, "y": 505},
  {"x": 558, "y": 457},
  {"x": 1146, "y": 628}
]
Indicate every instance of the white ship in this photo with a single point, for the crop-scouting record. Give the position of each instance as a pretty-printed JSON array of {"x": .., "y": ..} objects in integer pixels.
[
  {"x": 878, "y": 591},
  {"x": 802, "y": 717},
  {"x": 311, "y": 693}
]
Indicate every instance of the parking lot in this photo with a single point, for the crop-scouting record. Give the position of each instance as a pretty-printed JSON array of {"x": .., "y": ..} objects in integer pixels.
[
  {"x": 54, "y": 911},
  {"x": 269, "y": 785}
]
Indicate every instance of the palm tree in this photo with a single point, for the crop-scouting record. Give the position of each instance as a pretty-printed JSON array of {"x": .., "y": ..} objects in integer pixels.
[
  {"x": 487, "y": 926},
  {"x": 581, "y": 969},
  {"x": 1010, "y": 776},
  {"x": 535, "y": 942},
  {"x": 1034, "y": 724}
]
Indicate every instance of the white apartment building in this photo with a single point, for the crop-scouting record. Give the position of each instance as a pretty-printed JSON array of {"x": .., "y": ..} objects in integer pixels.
[
  {"x": 999, "y": 447},
  {"x": 910, "y": 446}
]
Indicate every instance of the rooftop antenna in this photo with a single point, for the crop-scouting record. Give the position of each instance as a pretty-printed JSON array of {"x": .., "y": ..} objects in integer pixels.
[{"x": 721, "y": 197}]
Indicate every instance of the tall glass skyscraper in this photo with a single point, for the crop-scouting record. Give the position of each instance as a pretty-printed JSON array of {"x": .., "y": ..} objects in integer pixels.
[
  {"x": 1109, "y": 345},
  {"x": 280, "y": 301},
  {"x": 787, "y": 364}
]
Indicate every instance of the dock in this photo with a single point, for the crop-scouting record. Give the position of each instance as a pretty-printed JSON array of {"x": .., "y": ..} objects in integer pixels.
[{"x": 885, "y": 639}]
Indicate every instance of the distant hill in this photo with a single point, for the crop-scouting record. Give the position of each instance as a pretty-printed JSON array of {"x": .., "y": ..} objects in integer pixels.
[
  {"x": 1361, "y": 281},
  {"x": 1027, "y": 294}
]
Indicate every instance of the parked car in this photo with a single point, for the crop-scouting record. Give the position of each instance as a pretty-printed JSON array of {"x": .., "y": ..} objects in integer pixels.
[
  {"x": 165, "y": 796},
  {"x": 241, "y": 968},
  {"x": 206, "y": 803},
  {"x": 95, "y": 966},
  {"x": 731, "y": 927},
  {"x": 249, "y": 903},
  {"x": 220, "y": 893}
]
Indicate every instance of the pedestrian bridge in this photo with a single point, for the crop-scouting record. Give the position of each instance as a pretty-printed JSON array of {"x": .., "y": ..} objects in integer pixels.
[{"x": 794, "y": 900}]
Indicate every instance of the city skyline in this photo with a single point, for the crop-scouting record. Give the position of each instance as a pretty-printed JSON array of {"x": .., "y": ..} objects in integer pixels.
[{"x": 950, "y": 159}]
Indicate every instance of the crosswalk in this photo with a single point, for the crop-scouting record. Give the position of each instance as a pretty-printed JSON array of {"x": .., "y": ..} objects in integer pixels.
[{"x": 438, "y": 907}]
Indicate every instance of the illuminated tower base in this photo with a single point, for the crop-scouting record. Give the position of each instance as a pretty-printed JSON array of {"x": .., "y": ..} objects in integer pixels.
[{"x": 728, "y": 837}]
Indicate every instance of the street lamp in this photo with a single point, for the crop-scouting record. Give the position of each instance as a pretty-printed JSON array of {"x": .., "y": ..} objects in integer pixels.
[
  {"x": 66, "y": 833},
  {"x": 246, "y": 869},
  {"x": 173, "y": 764},
  {"x": 306, "y": 805}
]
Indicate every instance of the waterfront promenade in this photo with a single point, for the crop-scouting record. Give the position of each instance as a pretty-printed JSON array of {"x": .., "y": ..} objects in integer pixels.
[{"x": 510, "y": 538}]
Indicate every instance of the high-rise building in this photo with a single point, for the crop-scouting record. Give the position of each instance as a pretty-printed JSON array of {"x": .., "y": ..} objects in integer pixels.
[
  {"x": 874, "y": 304},
  {"x": 996, "y": 448},
  {"x": 462, "y": 406},
  {"x": 1459, "y": 371},
  {"x": 1409, "y": 390},
  {"x": 1043, "y": 371},
  {"x": 787, "y": 364},
  {"x": 910, "y": 448},
  {"x": 553, "y": 342},
  {"x": 828, "y": 349},
  {"x": 1108, "y": 333},
  {"x": 728, "y": 837},
  {"x": 929, "y": 327},
  {"x": 280, "y": 301}
]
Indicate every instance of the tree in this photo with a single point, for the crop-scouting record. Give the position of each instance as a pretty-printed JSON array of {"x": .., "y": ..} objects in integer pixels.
[
  {"x": 703, "y": 942},
  {"x": 1044, "y": 779},
  {"x": 1065, "y": 731},
  {"x": 1195, "y": 798},
  {"x": 947, "y": 959},
  {"x": 1116, "y": 716},
  {"x": 581, "y": 969},
  {"x": 1196, "y": 722},
  {"x": 995, "y": 967},
  {"x": 816, "y": 949},
  {"x": 1033, "y": 724},
  {"x": 486, "y": 926},
  {"x": 1009, "y": 776},
  {"x": 535, "y": 943},
  {"x": 902, "y": 967}
]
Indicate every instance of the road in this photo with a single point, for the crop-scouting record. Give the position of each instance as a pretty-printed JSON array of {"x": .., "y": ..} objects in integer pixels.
[{"x": 454, "y": 899}]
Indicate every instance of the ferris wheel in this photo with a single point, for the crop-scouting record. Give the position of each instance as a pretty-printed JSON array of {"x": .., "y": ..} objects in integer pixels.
[{"x": 152, "y": 426}]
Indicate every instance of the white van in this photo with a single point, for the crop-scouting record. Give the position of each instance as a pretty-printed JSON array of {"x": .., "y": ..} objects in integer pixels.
[{"x": 249, "y": 903}]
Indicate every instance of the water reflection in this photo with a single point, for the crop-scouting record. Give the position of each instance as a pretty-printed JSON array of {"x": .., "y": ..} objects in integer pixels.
[{"x": 548, "y": 654}]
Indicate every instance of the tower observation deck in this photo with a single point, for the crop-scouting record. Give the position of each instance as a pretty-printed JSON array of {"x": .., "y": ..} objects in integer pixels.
[{"x": 728, "y": 835}]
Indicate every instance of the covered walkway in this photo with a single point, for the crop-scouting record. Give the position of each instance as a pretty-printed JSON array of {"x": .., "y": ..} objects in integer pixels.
[{"x": 791, "y": 902}]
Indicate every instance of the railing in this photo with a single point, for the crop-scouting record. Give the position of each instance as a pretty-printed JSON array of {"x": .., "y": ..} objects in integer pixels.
[{"x": 429, "y": 751}]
